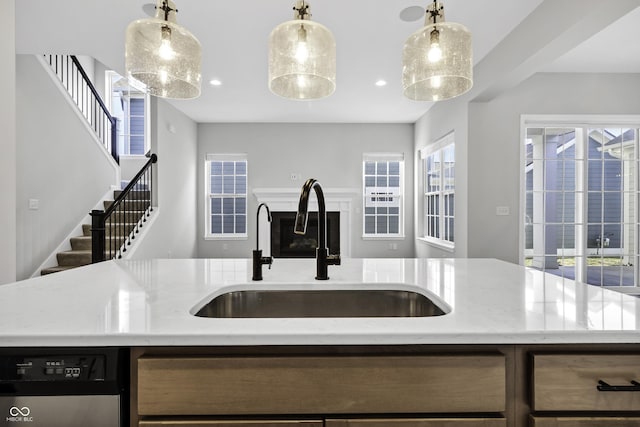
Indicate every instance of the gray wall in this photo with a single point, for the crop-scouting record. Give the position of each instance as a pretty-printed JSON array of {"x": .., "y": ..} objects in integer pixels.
[
  {"x": 174, "y": 140},
  {"x": 331, "y": 153},
  {"x": 8, "y": 143},
  {"x": 494, "y": 146},
  {"x": 59, "y": 163}
]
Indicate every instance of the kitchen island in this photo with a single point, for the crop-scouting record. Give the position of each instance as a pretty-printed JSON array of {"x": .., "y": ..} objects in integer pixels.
[
  {"x": 515, "y": 348},
  {"x": 151, "y": 302}
]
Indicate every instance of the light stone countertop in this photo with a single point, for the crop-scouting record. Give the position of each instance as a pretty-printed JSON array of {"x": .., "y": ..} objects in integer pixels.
[{"x": 149, "y": 302}]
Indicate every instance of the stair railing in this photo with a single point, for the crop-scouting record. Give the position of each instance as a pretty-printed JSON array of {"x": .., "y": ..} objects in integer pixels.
[
  {"x": 84, "y": 94},
  {"x": 114, "y": 229}
]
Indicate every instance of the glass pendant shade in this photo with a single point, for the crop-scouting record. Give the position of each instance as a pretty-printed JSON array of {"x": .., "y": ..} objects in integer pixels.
[
  {"x": 302, "y": 60},
  {"x": 163, "y": 55},
  {"x": 437, "y": 62}
]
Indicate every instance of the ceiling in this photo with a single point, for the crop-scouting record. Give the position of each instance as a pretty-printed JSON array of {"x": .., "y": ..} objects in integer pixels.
[{"x": 369, "y": 37}]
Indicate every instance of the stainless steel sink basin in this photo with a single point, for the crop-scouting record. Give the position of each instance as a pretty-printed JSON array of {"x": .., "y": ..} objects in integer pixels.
[{"x": 320, "y": 303}]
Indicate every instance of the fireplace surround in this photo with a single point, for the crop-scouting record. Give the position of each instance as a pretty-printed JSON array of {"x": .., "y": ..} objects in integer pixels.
[
  {"x": 337, "y": 200},
  {"x": 286, "y": 244}
]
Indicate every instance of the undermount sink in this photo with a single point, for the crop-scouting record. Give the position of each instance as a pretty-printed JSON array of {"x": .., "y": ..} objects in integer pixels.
[{"x": 320, "y": 303}]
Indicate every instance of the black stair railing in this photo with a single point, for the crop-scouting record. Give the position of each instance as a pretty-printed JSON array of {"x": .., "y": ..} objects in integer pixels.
[
  {"x": 114, "y": 229},
  {"x": 79, "y": 86}
]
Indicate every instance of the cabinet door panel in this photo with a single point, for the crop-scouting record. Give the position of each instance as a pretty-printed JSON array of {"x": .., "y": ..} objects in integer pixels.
[
  {"x": 568, "y": 382},
  {"x": 231, "y": 423},
  {"x": 321, "y": 385},
  {"x": 418, "y": 422},
  {"x": 584, "y": 422}
]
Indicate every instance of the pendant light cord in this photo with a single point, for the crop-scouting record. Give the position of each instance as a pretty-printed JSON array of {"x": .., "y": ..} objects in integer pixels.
[{"x": 167, "y": 9}]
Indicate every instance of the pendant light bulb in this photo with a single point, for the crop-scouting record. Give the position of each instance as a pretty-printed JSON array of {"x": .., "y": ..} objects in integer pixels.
[
  {"x": 435, "y": 52},
  {"x": 302, "y": 50},
  {"x": 166, "y": 51}
]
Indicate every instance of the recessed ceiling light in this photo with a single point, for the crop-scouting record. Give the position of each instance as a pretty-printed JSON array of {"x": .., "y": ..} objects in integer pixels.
[
  {"x": 381, "y": 83},
  {"x": 412, "y": 13},
  {"x": 215, "y": 82}
]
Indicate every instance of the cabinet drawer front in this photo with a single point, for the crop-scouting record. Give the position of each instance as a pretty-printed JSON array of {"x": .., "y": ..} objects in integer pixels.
[
  {"x": 584, "y": 422},
  {"x": 239, "y": 423},
  {"x": 320, "y": 385},
  {"x": 568, "y": 382},
  {"x": 418, "y": 422}
]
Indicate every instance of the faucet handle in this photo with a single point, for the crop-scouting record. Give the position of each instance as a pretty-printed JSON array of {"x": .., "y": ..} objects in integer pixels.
[
  {"x": 267, "y": 260},
  {"x": 333, "y": 259}
]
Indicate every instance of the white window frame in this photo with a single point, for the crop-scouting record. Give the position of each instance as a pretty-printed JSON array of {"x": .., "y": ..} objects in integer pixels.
[
  {"x": 209, "y": 158},
  {"x": 143, "y": 94},
  {"x": 384, "y": 157},
  {"x": 437, "y": 147},
  {"x": 579, "y": 122}
]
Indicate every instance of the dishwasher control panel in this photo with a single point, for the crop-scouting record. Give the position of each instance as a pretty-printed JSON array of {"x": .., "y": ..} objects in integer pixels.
[{"x": 52, "y": 368}]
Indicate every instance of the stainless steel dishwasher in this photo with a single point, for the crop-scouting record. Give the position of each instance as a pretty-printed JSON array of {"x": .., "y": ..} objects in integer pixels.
[{"x": 60, "y": 387}]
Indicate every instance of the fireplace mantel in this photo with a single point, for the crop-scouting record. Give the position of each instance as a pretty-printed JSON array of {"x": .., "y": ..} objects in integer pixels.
[{"x": 286, "y": 200}]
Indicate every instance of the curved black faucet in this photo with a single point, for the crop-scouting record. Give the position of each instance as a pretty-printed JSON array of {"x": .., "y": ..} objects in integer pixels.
[
  {"x": 258, "y": 259},
  {"x": 323, "y": 259}
]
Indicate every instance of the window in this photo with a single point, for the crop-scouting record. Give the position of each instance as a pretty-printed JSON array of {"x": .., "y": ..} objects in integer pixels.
[
  {"x": 581, "y": 213},
  {"x": 383, "y": 191},
  {"x": 128, "y": 103},
  {"x": 226, "y": 176},
  {"x": 439, "y": 192}
]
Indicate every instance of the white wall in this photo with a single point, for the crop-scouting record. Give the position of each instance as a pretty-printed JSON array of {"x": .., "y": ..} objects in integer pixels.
[
  {"x": 440, "y": 120},
  {"x": 8, "y": 143},
  {"x": 331, "y": 153},
  {"x": 175, "y": 141},
  {"x": 494, "y": 146},
  {"x": 59, "y": 163}
]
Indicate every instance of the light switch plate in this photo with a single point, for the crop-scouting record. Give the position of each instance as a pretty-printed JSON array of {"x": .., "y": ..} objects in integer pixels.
[{"x": 502, "y": 210}]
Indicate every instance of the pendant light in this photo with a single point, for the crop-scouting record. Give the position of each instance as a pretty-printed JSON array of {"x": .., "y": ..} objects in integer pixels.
[
  {"x": 437, "y": 60},
  {"x": 302, "y": 57},
  {"x": 164, "y": 55}
]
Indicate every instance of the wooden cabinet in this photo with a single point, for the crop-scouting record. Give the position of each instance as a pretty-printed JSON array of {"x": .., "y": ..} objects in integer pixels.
[
  {"x": 232, "y": 423},
  {"x": 321, "y": 385},
  {"x": 585, "y": 421},
  {"x": 602, "y": 385},
  {"x": 417, "y": 422},
  {"x": 570, "y": 382},
  {"x": 326, "y": 390},
  {"x": 390, "y": 386}
]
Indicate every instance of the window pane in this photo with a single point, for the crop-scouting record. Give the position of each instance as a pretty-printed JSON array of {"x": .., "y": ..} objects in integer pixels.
[
  {"x": 241, "y": 184},
  {"x": 241, "y": 168},
  {"x": 369, "y": 224},
  {"x": 241, "y": 224},
  {"x": 216, "y": 168},
  {"x": 216, "y": 206},
  {"x": 227, "y": 206},
  {"x": 216, "y": 184},
  {"x": 228, "y": 187},
  {"x": 394, "y": 224},
  {"x": 381, "y": 225},
  {"x": 394, "y": 168},
  {"x": 241, "y": 205},
  {"x": 216, "y": 224},
  {"x": 228, "y": 224},
  {"x": 381, "y": 168},
  {"x": 370, "y": 168},
  {"x": 228, "y": 168}
]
